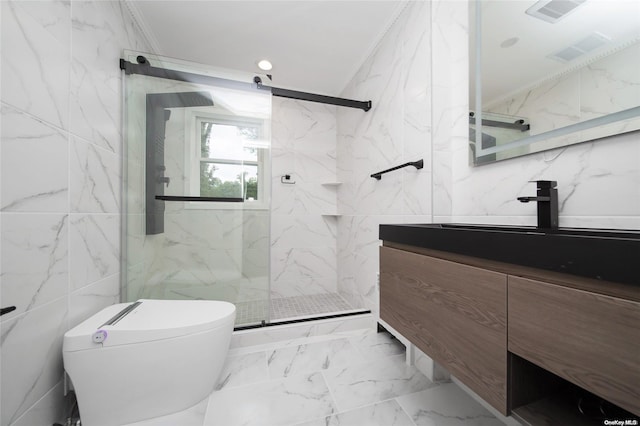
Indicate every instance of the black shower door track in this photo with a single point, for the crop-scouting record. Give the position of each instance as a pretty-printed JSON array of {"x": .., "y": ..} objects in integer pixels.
[
  {"x": 301, "y": 320},
  {"x": 144, "y": 68}
]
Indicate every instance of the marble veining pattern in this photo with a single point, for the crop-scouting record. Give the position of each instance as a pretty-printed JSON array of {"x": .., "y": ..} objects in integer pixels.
[
  {"x": 94, "y": 248},
  {"x": 387, "y": 413},
  {"x": 375, "y": 345},
  {"x": 303, "y": 256},
  {"x": 285, "y": 362},
  {"x": 243, "y": 369},
  {"x": 397, "y": 77},
  {"x": 446, "y": 405},
  {"x": 35, "y": 63},
  {"x": 276, "y": 402},
  {"x": 93, "y": 298},
  {"x": 60, "y": 192},
  {"x": 35, "y": 171},
  {"x": 366, "y": 383},
  {"x": 354, "y": 378},
  {"x": 95, "y": 179},
  {"x": 94, "y": 106},
  {"x": 34, "y": 259},
  {"x": 30, "y": 367}
]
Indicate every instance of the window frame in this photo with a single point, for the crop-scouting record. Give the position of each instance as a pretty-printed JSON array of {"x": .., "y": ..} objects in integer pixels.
[{"x": 194, "y": 118}]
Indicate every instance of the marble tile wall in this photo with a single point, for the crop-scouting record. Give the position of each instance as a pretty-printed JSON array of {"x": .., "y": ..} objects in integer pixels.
[
  {"x": 450, "y": 103},
  {"x": 598, "y": 186},
  {"x": 397, "y": 78},
  {"x": 60, "y": 158},
  {"x": 303, "y": 216}
]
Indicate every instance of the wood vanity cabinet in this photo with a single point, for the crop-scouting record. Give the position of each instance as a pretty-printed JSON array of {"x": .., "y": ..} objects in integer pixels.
[
  {"x": 510, "y": 333},
  {"x": 454, "y": 313},
  {"x": 589, "y": 339}
]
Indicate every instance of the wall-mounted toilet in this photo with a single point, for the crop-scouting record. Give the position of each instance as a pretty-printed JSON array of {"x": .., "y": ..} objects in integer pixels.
[{"x": 136, "y": 361}]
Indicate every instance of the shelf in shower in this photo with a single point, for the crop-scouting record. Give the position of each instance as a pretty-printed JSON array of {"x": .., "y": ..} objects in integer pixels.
[{"x": 331, "y": 183}]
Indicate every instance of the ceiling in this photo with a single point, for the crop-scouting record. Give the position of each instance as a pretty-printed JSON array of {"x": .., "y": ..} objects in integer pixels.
[{"x": 315, "y": 46}]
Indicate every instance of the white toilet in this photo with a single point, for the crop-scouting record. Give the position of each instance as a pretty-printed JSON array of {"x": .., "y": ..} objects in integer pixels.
[{"x": 136, "y": 361}]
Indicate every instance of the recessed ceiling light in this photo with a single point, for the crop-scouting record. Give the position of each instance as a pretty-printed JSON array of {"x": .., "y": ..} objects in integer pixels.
[
  {"x": 265, "y": 65},
  {"x": 509, "y": 42}
]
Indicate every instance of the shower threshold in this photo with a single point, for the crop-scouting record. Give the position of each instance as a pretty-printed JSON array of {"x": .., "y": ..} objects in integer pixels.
[{"x": 285, "y": 310}]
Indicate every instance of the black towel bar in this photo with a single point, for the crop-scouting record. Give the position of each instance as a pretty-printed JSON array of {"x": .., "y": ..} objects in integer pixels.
[
  {"x": 7, "y": 310},
  {"x": 417, "y": 164}
]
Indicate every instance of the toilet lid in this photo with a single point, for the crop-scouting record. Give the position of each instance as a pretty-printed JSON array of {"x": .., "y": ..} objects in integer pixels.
[{"x": 148, "y": 320}]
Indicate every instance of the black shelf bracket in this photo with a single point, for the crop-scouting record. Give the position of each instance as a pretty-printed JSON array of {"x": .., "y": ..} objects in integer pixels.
[{"x": 417, "y": 164}]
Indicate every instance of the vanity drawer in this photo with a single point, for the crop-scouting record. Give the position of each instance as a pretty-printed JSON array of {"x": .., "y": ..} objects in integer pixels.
[
  {"x": 589, "y": 339},
  {"x": 454, "y": 313}
]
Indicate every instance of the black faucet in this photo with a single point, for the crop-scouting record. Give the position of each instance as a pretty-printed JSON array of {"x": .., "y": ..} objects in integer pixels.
[{"x": 547, "y": 199}]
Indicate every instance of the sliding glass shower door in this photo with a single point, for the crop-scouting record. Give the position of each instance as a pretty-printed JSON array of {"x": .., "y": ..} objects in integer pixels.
[{"x": 196, "y": 185}]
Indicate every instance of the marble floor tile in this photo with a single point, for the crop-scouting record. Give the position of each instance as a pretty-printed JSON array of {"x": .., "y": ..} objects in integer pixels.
[
  {"x": 284, "y": 362},
  {"x": 374, "y": 345},
  {"x": 369, "y": 382},
  {"x": 349, "y": 379},
  {"x": 193, "y": 416},
  {"x": 276, "y": 402},
  {"x": 244, "y": 369},
  {"x": 446, "y": 405},
  {"x": 387, "y": 413}
]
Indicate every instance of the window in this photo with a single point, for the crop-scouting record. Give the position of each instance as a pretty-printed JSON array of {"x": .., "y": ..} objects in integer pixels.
[{"x": 229, "y": 158}]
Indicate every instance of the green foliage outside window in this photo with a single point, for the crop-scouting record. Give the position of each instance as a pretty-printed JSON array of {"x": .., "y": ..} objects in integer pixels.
[{"x": 213, "y": 186}]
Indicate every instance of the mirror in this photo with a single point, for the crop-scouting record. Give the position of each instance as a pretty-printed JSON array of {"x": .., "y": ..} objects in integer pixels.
[{"x": 550, "y": 73}]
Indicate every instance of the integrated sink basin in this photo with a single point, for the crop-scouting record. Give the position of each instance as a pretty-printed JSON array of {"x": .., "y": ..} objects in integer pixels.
[{"x": 604, "y": 254}]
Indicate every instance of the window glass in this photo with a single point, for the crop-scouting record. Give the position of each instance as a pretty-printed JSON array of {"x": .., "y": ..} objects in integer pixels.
[
  {"x": 228, "y": 163},
  {"x": 228, "y": 180}
]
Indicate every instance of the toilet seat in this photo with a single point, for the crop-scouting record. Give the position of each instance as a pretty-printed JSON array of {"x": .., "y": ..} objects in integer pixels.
[{"x": 148, "y": 321}]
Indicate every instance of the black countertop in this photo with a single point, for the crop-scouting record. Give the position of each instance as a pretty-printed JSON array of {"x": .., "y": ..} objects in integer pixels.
[{"x": 604, "y": 254}]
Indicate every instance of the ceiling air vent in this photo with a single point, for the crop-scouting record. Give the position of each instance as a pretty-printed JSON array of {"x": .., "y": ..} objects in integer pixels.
[
  {"x": 553, "y": 10},
  {"x": 586, "y": 45}
]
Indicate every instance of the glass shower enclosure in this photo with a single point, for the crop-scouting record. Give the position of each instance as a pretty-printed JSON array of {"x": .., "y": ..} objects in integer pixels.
[{"x": 196, "y": 179}]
